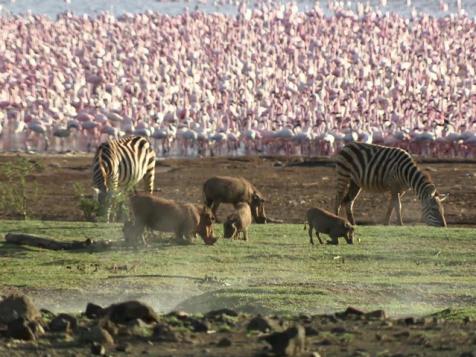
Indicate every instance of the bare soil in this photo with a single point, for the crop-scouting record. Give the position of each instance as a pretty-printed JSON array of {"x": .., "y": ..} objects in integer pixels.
[{"x": 290, "y": 185}]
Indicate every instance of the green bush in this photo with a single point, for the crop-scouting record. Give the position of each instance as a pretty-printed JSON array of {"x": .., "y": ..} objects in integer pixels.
[{"x": 18, "y": 189}]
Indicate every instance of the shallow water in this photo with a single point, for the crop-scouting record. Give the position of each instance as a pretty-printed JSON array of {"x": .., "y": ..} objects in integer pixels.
[{"x": 118, "y": 7}]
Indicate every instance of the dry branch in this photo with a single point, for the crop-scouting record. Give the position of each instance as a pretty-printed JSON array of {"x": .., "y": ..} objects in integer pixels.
[{"x": 48, "y": 243}]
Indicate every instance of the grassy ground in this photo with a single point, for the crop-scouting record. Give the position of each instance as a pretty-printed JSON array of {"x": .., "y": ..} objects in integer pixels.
[{"x": 404, "y": 270}]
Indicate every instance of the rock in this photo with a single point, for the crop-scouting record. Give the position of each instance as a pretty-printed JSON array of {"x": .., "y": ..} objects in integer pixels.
[
  {"x": 14, "y": 306},
  {"x": 338, "y": 330},
  {"x": 98, "y": 349},
  {"x": 127, "y": 311},
  {"x": 99, "y": 335},
  {"x": 94, "y": 311},
  {"x": 288, "y": 343},
  {"x": 63, "y": 323},
  {"x": 180, "y": 315},
  {"x": 213, "y": 315},
  {"x": 224, "y": 342},
  {"x": 311, "y": 331},
  {"x": 260, "y": 323},
  {"x": 163, "y": 332},
  {"x": 361, "y": 353},
  {"x": 376, "y": 315},
  {"x": 402, "y": 334},
  {"x": 197, "y": 325},
  {"x": 467, "y": 354},
  {"x": 409, "y": 321},
  {"x": 353, "y": 311},
  {"x": 20, "y": 330},
  {"x": 123, "y": 347}
]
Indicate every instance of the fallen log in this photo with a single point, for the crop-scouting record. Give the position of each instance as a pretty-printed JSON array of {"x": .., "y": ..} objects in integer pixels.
[{"x": 48, "y": 243}]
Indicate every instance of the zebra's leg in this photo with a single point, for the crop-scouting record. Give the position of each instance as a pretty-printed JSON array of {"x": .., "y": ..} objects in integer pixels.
[
  {"x": 388, "y": 215},
  {"x": 349, "y": 199},
  {"x": 149, "y": 177},
  {"x": 397, "y": 203},
  {"x": 342, "y": 187}
]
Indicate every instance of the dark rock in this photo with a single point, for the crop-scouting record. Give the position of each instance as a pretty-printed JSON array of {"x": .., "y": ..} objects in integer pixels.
[
  {"x": 402, "y": 334},
  {"x": 20, "y": 330},
  {"x": 353, "y": 311},
  {"x": 338, "y": 330},
  {"x": 59, "y": 325},
  {"x": 325, "y": 342},
  {"x": 218, "y": 313},
  {"x": 127, "y": 311},
  {"x": 197, "y": 325},
  {"x": 98, "y": 349},
  {"x": 163, "y": 332},
  {"x": 99, "y": 335},
  {"x": 376, "y": 315},
  {"x": 311, "y": 331},
  {"x": 361, "y": 353},
  {"x": 179, "y": 315},
  {"x": 260, "y": 323},
  {"x": 224, "y": 342},
  {"x": 94, "y": 311},
  {"x": 15, "y": 306},
  {"x": 123, "y": 347},
  {"x": 287, "y": 343},
  {"x": 63, "y": 323},
  {"x": 409, "y": 321},
  {"x": 467, "y": 354}
]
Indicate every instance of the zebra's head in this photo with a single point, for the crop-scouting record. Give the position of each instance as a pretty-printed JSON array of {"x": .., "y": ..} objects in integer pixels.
[{"x": 433, "y": 211}]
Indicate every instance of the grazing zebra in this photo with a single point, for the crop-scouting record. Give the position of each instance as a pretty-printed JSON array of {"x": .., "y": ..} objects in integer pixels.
[
  {"x": 122, "y": 163},
  {"x": 385, "y": 169}
]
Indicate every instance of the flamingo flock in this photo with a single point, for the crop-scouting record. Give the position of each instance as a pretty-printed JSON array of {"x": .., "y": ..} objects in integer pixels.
[{"x": 271, "y": 80}]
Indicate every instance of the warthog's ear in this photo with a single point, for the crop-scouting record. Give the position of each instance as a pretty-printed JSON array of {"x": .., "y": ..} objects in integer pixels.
[
  {"x": 349, "y": 226},
  {"x": 257, "y": 197},
  {"x": 443, "y": 196}
]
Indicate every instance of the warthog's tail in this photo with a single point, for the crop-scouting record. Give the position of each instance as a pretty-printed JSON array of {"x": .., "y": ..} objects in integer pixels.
[{"x": 305, "y": 226}]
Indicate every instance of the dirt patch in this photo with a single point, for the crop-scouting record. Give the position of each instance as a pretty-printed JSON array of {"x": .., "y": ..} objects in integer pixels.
[{"x": 291, "y": 186}]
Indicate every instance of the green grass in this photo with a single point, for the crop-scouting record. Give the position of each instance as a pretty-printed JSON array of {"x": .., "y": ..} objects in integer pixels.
[{"x": 404, "y": 270}]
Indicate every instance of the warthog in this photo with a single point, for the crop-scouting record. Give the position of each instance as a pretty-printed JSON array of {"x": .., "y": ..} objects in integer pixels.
[
  {"x": 238, "y": 222},
  {"x": 328, "y": 223},
  {"x": 226, "y": 189},
  {"x": 185, "y": 220}
]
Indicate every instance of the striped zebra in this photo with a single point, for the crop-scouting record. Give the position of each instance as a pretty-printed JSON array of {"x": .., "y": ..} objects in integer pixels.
[
  {"x": 122, "y": 163},
  {"x": 385, "y": 169}
]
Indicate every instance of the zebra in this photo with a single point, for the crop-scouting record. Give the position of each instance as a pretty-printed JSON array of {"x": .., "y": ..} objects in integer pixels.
[
  {"x": 379, "y": 168},
  {"x": 122, "y": 163}
]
